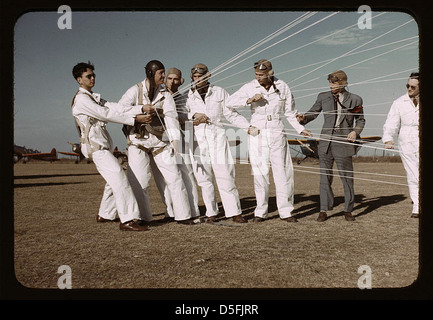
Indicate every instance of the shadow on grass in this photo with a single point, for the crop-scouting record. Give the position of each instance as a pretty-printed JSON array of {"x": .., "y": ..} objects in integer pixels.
[
  {"x": 366, "y": 205},
  {"x": 39, "y": 176},
  {"x": 43, "y": 184}
]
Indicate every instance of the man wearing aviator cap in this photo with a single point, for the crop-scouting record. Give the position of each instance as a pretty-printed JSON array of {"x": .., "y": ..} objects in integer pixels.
[
  {"x": 206, "y": 104},
  {"x": 151, "y": 141},
  {"x": 270, "y": 101},
  {"x": 343, "y": 123}
]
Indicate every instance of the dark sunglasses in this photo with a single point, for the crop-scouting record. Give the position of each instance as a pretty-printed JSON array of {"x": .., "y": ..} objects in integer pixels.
[
  {"x": 89, "y": 76},
  {"x": 412, "y": 87}
]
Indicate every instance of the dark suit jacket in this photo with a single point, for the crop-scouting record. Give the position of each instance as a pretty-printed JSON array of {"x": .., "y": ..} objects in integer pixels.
[{"x": 352, "y": 113}]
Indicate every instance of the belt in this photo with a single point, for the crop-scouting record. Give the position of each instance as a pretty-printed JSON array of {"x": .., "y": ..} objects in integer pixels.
[
  {"x": 271, "y": 117},
  {"x": 153, "y": 151}
]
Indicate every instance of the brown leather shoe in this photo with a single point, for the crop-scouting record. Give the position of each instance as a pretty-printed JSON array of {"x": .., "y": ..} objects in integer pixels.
[
  {"x": 348, "y": 216},
  {"x": 258, "y": 219},
  {"x": 322, "y": 216},
  {"x": 415, "y": 215},
  {"x": 132, "y": 226},
  {"x": 100, "y": 219},
  {"x": 239, "y": 219},
  {"x": 290, "y": 219},
  {"x": 211, "y": 219}
]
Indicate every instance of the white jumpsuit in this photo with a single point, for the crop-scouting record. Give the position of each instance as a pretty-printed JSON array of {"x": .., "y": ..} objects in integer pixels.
[
  {"x": 271, "y": 144},
  {"x": 183, "y": 162},
  {"x": 118, "y": 197},
  {"x": 213, "y": 150},
  {"x": 403, "y": 121},
  {"x": 139, "y": 170}
]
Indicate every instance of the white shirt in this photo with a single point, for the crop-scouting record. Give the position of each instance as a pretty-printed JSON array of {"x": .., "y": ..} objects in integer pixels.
[
  {"x": 275, "y": 105},
  {"x": 403, "y": 120},
  {"x": 214, "y": 107},
  {"x": 85, "y": 108},
  {"x": 339, "y": 109}
]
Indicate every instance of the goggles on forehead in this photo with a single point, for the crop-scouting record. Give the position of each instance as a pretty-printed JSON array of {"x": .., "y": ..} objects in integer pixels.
[
  {"x": 260, "y": 66},
  {"x": 198, "y": 70}
]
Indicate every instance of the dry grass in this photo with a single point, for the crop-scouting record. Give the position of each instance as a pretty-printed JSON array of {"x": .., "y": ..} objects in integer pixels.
[{"x": 54, "y": 224}]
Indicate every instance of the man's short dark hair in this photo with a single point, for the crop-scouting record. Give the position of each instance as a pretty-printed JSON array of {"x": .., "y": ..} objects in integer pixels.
[
  {"x": 414, "y": 75},
  {"x": 80, "y": 68}
]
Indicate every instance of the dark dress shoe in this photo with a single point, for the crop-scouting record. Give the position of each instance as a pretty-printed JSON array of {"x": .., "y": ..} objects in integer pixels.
[
  {"x": 211, "y": 219},
  {"x": 348, "y": 216},
  {"x": 100, "y": 219},
  {"x": 290, "y": 219},
  {"x": 239, "y": 219},
  {"x": 258, "y": 219},
  {"x": 167, "y": 220},
  {"x": 132, "y": 226},
  {"x": 322, "y": 216},
  {"x": 143, "y": 222},
  {"x": 415, "y": 215}
]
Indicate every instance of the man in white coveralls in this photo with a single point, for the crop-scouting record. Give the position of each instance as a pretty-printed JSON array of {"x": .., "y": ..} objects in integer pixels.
[
  {"x": 270, "y": 101},
  {"x": 91, "y": 115},
  {"x": 173, "y": 80},
  {"x": 206, "y": 104},
  {"x": 160, "y": 139},
  {"x": 403, "y": 121}
]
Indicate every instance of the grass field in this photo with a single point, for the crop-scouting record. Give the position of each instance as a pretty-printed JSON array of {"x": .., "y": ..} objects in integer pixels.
[{"x": 55, "y": 206}]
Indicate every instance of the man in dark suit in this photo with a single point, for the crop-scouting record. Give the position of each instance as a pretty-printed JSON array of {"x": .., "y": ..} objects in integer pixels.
[{"x": 342, "y": 110}]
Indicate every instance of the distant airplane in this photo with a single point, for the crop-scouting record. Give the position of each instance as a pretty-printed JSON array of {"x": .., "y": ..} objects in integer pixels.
[
  {"x": 76, "y": 152},
  {"x": 21, "y": 153},
  {"x": 309, "y": 147}
]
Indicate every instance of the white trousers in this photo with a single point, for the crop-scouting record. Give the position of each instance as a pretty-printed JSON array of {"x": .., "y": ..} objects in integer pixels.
[
  {"x": 118, "y": 197},
  {"x": 139, "y": 175},
  {"x": 411, "y": 165},
  {"x": 271, "y": 146},
  {"x": 186, "y": 170},
  {"x": 212, "y": 153}
]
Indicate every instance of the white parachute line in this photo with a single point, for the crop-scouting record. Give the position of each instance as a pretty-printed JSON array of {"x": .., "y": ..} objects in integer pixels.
[
  {"x": 378, "y": 81},
  {"x": 350, "y": 54},
  {"x": 352, "y": 84},
  {"x": 259, "y": 43},
  {"x": 354, "y": 178},
  {"x": 315, "y": 63},
  {"x": 363, "y": 172},
  {"x": 292, "y": 132},
  {"x": 352, "y": 65},
  {"x": 247, "y": 161},
  {"x": 344, "y": 54},
  {"x": 291, "y": 35},
  {"x": 324, "y": 37},
  {"x": 266, "y": 39},
  {"x": 381, "y": 54},
  {"x": 369, "y": 145}
]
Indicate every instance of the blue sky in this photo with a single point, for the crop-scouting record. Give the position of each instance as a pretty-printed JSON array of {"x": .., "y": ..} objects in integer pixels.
[{"x": 121, "y": 43}]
